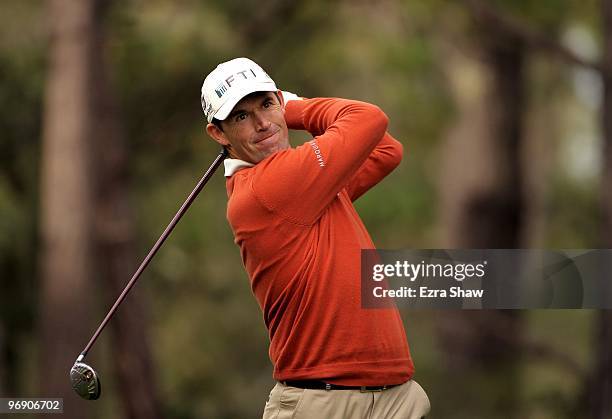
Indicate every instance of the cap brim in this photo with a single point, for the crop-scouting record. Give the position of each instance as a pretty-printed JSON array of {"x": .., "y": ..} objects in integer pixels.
[{"x": 231, "y": 101}]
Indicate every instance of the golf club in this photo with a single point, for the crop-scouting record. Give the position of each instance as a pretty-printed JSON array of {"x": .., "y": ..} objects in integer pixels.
[{"x": 84, "y": 379}]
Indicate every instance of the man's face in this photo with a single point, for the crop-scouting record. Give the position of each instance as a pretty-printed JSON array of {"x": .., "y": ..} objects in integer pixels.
[{"x": 255, "y": 128}]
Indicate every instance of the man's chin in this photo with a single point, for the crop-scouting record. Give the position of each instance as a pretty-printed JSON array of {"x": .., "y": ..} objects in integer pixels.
[{"x": 268, "y": 149}]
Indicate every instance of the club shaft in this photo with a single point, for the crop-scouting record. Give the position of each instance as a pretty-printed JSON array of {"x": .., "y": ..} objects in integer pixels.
[{"x": 192, "y": 196}]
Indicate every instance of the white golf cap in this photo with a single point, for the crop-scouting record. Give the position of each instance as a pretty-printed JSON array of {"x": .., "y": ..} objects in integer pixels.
[{"x": 227, "y": 84}]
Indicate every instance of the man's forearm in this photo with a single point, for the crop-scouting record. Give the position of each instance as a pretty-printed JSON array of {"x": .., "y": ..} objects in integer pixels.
[{"x": 318, "y": 115}]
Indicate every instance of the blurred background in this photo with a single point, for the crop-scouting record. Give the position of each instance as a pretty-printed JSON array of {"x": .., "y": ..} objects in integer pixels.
[{"x": 505, "y": 112}]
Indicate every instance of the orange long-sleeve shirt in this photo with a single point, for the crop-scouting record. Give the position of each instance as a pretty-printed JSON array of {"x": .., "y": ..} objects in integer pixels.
[{"x": 300, "y": 240}]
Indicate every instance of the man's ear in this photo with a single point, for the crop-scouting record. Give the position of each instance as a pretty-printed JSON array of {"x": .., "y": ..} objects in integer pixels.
[
  {"x": 216, "y": 134},
  {"x": 281, "y": 99}
]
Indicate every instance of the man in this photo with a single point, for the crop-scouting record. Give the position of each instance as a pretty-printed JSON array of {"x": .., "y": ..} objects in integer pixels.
[{"x": 300, "y": 239}]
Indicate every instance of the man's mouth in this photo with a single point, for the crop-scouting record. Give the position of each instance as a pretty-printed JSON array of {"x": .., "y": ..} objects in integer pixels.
[{"x": 259, "y": 140}]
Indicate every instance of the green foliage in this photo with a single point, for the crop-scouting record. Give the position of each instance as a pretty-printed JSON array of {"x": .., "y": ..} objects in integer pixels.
[
  {"x": 573, "y": 209},
  {"x": 547, "y": 14}
]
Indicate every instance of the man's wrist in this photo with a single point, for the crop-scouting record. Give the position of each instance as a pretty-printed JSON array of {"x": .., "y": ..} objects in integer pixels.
[{"x": 293, "y": 114}]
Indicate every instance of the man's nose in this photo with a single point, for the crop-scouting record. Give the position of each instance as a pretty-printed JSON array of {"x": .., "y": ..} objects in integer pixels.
[{"x": 261, "y": 122}]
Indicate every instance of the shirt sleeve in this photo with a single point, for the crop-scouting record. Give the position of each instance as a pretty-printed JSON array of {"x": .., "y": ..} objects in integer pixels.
[
  {"x": 384, "y": 158},
  {"x": 300, "y": 183}
]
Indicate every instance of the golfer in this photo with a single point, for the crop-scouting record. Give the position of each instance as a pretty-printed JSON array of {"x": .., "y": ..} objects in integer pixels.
[{"x": 291, "y": 212}]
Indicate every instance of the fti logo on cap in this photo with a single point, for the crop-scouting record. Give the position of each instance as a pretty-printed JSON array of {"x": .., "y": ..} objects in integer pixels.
[{"x": 245, "y": 74}]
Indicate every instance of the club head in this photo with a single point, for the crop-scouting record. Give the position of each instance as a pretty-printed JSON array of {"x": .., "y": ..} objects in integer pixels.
[{"x": 85, "y": 381}]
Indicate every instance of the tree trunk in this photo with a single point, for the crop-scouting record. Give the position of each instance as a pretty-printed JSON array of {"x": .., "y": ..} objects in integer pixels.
[
  {"x": 484, "y": 207},
  {"x": 600, "y": 390},
  {"x": 601, "y": 384},
  {"x": 114, "y": 235},
  {"x": 3, "y": 349},
  {"x": 12, "y": 324},
  {"x": 66, "y": 200}
]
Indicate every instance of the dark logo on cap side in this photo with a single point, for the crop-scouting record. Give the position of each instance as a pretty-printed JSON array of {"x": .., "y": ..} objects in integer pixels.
[{"x": 220, "y": 90}]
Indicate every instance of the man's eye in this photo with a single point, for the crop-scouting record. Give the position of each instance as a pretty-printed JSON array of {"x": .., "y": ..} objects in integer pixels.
[
  {"x": 241, "y": 117},
  {"x": 267, "y": 104}
]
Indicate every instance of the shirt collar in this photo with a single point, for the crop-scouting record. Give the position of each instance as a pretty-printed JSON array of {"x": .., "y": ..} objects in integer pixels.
[{"x": 234, "y": 165}]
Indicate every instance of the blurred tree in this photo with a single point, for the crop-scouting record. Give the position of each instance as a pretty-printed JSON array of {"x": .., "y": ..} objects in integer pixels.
[
  {"x": 599, "y": 387},
  {"x": 485, "y": 201},
  {"x": 66, "y": 197},
  {"x": 2, "y": 362},
  {"x": 491, "y": 214},
  {"x": 115, "y": 237},
  {"x": 20, "y": 81}
]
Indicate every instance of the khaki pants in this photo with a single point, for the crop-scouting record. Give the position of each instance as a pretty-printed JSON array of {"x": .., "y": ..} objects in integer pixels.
[{"x": 408, "y": 401}]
